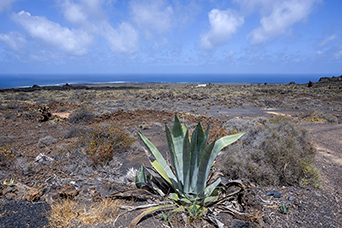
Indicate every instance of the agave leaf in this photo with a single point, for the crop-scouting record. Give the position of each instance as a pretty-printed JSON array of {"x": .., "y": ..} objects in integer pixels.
[
  {"x": 177, "y": 139},
  {"x": 173, "y": 155},
  {"x": 184, "y": 128},
  {"x": 209, "y": 200},
  {"x": 206, "y": 135},
  {"x": 219, "y": 145},
  {"x": 173, "y": 196},
  {"x": 140, "y": 178},
  {"x": 152, "y": 210},
  {"x": 186, "y": 162},
  {"x": 201, "y": 174},
  {"x": 210, "y": 188},
  {"x": 185, "y": 200},
  {"x": 198, "y": 142},
  {"x": 161, "y": 161},
  {"x": 161, "y": 171},
  {"x": 179, "y": 209}
]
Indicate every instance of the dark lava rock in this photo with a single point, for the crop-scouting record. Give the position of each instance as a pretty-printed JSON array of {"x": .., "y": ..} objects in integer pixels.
[
  {"x": 23, "y": 214},
  {"x": 239, "y": 224},
  {"x": 274, "y": 193}
]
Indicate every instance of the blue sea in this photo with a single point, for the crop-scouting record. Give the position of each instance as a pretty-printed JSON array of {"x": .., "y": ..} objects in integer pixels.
[{"x": 27, "y": 80}]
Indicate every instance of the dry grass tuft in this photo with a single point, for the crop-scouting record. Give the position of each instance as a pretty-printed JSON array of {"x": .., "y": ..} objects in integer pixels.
[{"x": 68, "y": 212}]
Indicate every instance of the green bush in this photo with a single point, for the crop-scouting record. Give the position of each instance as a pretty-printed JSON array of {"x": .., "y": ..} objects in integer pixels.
[{"x": 273, "y": 152}]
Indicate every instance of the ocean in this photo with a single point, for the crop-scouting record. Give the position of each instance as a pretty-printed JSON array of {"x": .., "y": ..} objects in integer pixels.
[{"x": 27, "y": 80}]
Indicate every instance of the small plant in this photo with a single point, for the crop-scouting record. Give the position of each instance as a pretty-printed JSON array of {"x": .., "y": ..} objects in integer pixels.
[
  {"x": 100, "y": 143},
  {"x": 165, "y": 217},
  {"x": 81, "y": 114},
  {"x": 186, "y": 183},
  {"x": 6, "y": 154},
  {"x": 11, "y": 181},
  {"x": 284, "y": 209}
]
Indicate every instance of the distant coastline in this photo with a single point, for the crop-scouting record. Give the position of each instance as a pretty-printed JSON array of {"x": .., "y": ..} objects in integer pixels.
[{"x": 28, "y": 80}]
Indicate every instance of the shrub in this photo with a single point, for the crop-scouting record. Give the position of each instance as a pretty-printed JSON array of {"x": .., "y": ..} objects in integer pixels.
[
  {"x": 6, "y": 154},
  {"x": 81, "y": 114},
  {"x": 46, "y": 141},
  {"x": 75, "y": 131},
  {"x": 325, "y": 117},
  {"x": 273, "y": 152},
  {"x": 100, "y": 143}
]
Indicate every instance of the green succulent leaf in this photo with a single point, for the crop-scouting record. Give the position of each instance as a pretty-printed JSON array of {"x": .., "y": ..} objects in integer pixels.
[
  {"x": 208, "y": 159},
  {"x": 201, "y": 175},
  {"x": 210, "y": 188},
  {"x": 161, "y": 161},
  {"x": 161, "y": 171},
  {"x": 209, "y": 200},
  {"x": 186, "y": 162},
  {"x": 140, "y": 178},
  {"x": 152, "y": 210},
  {"x": 178, "y": 139}
]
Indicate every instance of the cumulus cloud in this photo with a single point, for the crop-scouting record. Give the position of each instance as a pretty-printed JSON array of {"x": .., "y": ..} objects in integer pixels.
[
  {"x": 124, "y": 39},
  {"x": 90, "y": 16},
  {"x": 72, "y": 41},
  {"x": 80, "y": 11},
  {"x": 5, "y": 4},
  {"x": 74, "y": 12},
  {"x": 283, "y": 15},
  {"x": 152, "y": 16},
  {"x": 14, "y": 41},
  {"x": 224, "y": 23}
]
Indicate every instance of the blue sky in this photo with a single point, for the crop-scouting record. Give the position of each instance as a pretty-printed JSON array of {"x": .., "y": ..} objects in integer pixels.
[{"x": 160, "y": 36}]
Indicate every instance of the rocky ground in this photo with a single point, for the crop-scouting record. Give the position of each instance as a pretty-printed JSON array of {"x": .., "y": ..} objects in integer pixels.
[{"x": 39, "y": 167}]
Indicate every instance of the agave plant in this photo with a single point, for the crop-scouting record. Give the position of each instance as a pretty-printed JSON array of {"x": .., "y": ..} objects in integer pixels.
[{"x": 192, "y": 158}]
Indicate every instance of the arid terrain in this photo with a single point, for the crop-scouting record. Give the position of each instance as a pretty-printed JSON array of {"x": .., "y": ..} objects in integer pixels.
[{"x": 68, "y": 154}]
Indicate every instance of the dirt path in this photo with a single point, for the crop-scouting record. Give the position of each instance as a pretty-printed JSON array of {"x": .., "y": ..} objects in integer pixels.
[{"x": 328, "y": 140}]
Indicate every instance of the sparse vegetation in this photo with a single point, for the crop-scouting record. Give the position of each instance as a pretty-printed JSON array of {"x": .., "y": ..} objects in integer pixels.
[
  {"x": 7, "y": 154},
  {"x": 101, "y": 142},
  {"x": 69, "y": 213},
  {"x": 273, "y": 152},
  {"x": 46, "y": 141},
  {"x": 81, "y": 114}
]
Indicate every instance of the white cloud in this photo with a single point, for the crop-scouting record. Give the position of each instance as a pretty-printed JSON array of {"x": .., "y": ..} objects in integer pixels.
[
  {"x": 124, "y": 40},
  {"x": 327, "y": 40},
  {"x": 283, "y": 15},
  {"x": 152, "y": 16},
  {"x": 5, "y": 4},
  {"x": 80, "y": 11},
  {"x": 74, "y": 12},
  {"x": 224, "y": 23},
  {"x": 229, "y": 53},
  {"x": 72, "y": 41},
  {"x": 338, "y": 55},
  {"x": 90, "y": 16},
  {"x": 14, "y": 41}
]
